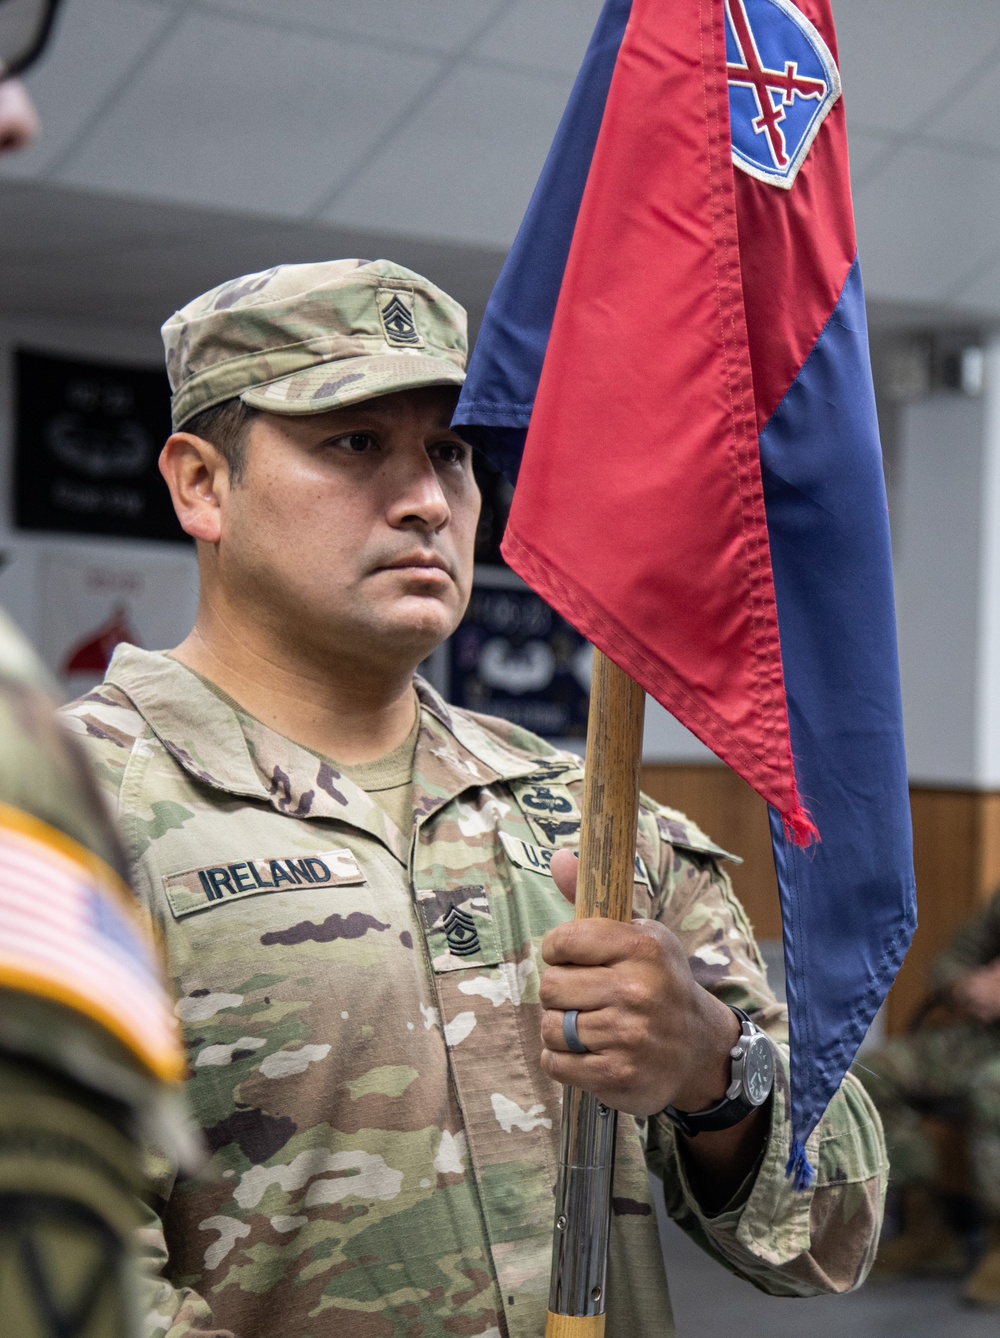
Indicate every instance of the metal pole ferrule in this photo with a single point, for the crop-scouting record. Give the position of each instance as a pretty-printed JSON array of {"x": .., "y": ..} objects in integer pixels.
[{"x": 583, "y": 1206}]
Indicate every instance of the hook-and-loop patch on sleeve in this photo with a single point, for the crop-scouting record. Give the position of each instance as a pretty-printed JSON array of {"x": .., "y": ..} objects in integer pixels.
[
  {"x": 69, "y": 932},
  {"x": 193, "y": 890}
]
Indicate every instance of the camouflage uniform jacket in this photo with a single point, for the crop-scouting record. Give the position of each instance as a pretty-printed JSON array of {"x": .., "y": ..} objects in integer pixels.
[
  {"x": 362, "y": 1022},
  {"x": 82, "y": 1072},
  {"x": 975, "y": 944}
]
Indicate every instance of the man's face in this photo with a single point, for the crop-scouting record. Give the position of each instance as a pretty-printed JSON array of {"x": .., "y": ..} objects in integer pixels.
[{"x": 353, "y": 531}]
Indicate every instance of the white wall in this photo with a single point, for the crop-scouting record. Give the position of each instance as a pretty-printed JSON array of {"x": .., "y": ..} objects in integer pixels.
[
  {"x": 987, "y": 767},
  {"x": 946, "y": 531},
  {"x": 666, "y": 740},
  {"x": 937, "y": 536}
]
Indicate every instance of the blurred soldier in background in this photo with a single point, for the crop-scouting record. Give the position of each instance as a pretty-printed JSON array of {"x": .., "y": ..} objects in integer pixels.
[
  {"x": 88, "y": 1055},
  {"x": 951, "y": 1073}
]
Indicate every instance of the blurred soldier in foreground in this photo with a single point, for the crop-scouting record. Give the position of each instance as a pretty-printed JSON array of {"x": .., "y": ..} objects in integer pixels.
[
  {"x": 359, "y": 887},
  {"x": 88, "y": 1056},
  {"x": 953, "y": 1073}
]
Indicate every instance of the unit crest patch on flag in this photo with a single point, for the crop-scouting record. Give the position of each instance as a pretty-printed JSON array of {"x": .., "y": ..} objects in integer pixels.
[{"x": 783, "y": 81}]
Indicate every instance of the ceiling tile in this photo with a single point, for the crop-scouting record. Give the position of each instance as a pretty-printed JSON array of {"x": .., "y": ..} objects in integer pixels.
[
  {"x": 981, "y": 293},
  {"x": 239, "y": 116},
  {"x": 93, "y": 47},
  {"x": 543, "y": 34},
  {"x": 464, "y": 167},
  {"x": 899, "y": 57},
  {"x": 972, "y": 117},
  {"x": 437, "y": 25},
  {"x": 866, "y": 149},
  {"x": 925, "y": 221}
]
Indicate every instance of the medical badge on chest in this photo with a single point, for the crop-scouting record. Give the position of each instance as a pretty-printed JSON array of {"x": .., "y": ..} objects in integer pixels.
[{"x": 783, "y": 82}]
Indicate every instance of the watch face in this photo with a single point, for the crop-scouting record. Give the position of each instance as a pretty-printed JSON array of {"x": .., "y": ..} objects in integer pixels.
[{"x": 758, "y": 1071}]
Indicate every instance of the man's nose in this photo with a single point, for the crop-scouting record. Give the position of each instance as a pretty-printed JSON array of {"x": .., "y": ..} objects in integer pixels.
[
  {"x": 421, "y": 501},
  {"x": 18, "y": 118}
]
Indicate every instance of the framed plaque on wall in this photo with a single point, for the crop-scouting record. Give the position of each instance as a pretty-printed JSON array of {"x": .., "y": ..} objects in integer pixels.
[{"x": 86, "y": 440}]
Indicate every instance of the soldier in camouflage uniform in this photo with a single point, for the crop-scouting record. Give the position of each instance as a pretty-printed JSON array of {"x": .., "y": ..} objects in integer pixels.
[
  {"x": 89, "y": 1056},
  {"x": 952, "y": 1072},
  {"x": 355, "y": 886}
]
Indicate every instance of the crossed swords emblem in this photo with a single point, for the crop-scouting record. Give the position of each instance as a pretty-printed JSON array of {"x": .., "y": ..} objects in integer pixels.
[{"x": 764, "y": 82}]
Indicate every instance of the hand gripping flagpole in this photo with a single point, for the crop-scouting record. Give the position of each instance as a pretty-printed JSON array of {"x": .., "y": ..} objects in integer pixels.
[{"x": 578, "y": 1286}]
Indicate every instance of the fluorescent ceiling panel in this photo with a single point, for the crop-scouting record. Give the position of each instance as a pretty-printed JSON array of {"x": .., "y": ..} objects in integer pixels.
[
  {"x": 238, "y": 116},
  {"x": 900, "y": 58},
  {"x": 434, "y": 25},
  {"x": 96, "y": 45},
  {"x": 552, "y": 35},
  {"x": 463, "y": 168}
]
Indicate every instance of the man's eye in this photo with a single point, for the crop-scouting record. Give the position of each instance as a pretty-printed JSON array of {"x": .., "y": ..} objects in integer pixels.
[
  {"x": 358, "y": 442},
  {"x": 451, "y": 452}
]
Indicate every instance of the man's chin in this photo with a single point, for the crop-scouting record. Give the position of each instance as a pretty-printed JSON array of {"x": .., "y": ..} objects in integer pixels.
[{"x": 413, "y": 630}]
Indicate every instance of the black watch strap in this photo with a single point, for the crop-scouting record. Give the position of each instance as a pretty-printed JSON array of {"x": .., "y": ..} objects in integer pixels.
[{"x": 723, "y": 1115}]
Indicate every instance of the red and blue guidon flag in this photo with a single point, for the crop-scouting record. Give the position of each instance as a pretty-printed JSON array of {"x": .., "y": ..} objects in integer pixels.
[{"x": 674, "y": 368}]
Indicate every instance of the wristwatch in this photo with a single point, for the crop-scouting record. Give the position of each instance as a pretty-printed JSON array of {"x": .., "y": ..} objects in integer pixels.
[{"x": 751, "y": 1080}]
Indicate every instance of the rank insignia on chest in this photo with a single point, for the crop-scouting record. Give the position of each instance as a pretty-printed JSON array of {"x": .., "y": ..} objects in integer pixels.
[
  {"x": 459, "y": 925},
  {"x": 783, "y": 81},
  {"x": 212, "y": 885},
  {"x": 460, "y": 931}
]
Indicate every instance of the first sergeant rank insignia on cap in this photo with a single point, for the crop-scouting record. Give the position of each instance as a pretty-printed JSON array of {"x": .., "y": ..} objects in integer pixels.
[{"x": 395, "y": 307}]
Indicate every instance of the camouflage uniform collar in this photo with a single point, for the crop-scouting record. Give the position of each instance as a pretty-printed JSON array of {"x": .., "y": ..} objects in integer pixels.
[
  {"x": 465, "y": 734},
  {"x": 457, "y": 752},
  {"x": 222, "y": 746},
  {"x": 195, "y": 726}
]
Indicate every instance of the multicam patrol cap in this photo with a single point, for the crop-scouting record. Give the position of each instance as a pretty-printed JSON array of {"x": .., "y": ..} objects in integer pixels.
[{"x": 301, "y": 339}]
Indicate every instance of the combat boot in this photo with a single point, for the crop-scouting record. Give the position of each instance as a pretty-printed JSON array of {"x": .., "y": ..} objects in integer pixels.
[
  {"x": 982, "y": 1286},
  {"x": 927, "y": 1246}
]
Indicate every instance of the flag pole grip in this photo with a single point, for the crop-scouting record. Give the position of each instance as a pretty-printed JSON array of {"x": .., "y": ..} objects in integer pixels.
[{"x": 605, "y": 878}]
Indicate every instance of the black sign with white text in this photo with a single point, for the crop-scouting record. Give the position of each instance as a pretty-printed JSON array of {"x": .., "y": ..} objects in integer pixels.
[
  {"x": 87, "y": 439},
  {"x": 514, "y": 657}
]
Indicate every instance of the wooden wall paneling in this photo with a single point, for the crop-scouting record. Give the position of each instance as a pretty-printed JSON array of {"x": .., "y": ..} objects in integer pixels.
[
  {"x": 989, "y": 840},
  {"x": 956, "y": 854},
  {"x": 945, "y": 839}
]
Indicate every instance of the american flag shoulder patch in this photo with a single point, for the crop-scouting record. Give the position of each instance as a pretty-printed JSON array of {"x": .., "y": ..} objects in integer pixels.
[{"x": 69, "y": 932}]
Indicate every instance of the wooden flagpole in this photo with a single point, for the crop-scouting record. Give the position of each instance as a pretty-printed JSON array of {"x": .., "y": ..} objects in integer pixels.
[{"x": 605, "y": 880}]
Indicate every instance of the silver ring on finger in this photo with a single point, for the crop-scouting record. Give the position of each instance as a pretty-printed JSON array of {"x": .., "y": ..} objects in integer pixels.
[{"x": 570, "y": 1034}]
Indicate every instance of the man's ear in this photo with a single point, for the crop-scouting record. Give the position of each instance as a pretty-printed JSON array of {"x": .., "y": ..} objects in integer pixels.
[{"x": 198, "y": 478}]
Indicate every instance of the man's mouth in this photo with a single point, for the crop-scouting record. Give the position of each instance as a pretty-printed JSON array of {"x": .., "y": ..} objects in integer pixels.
[{"x": 424, "y": 561}]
